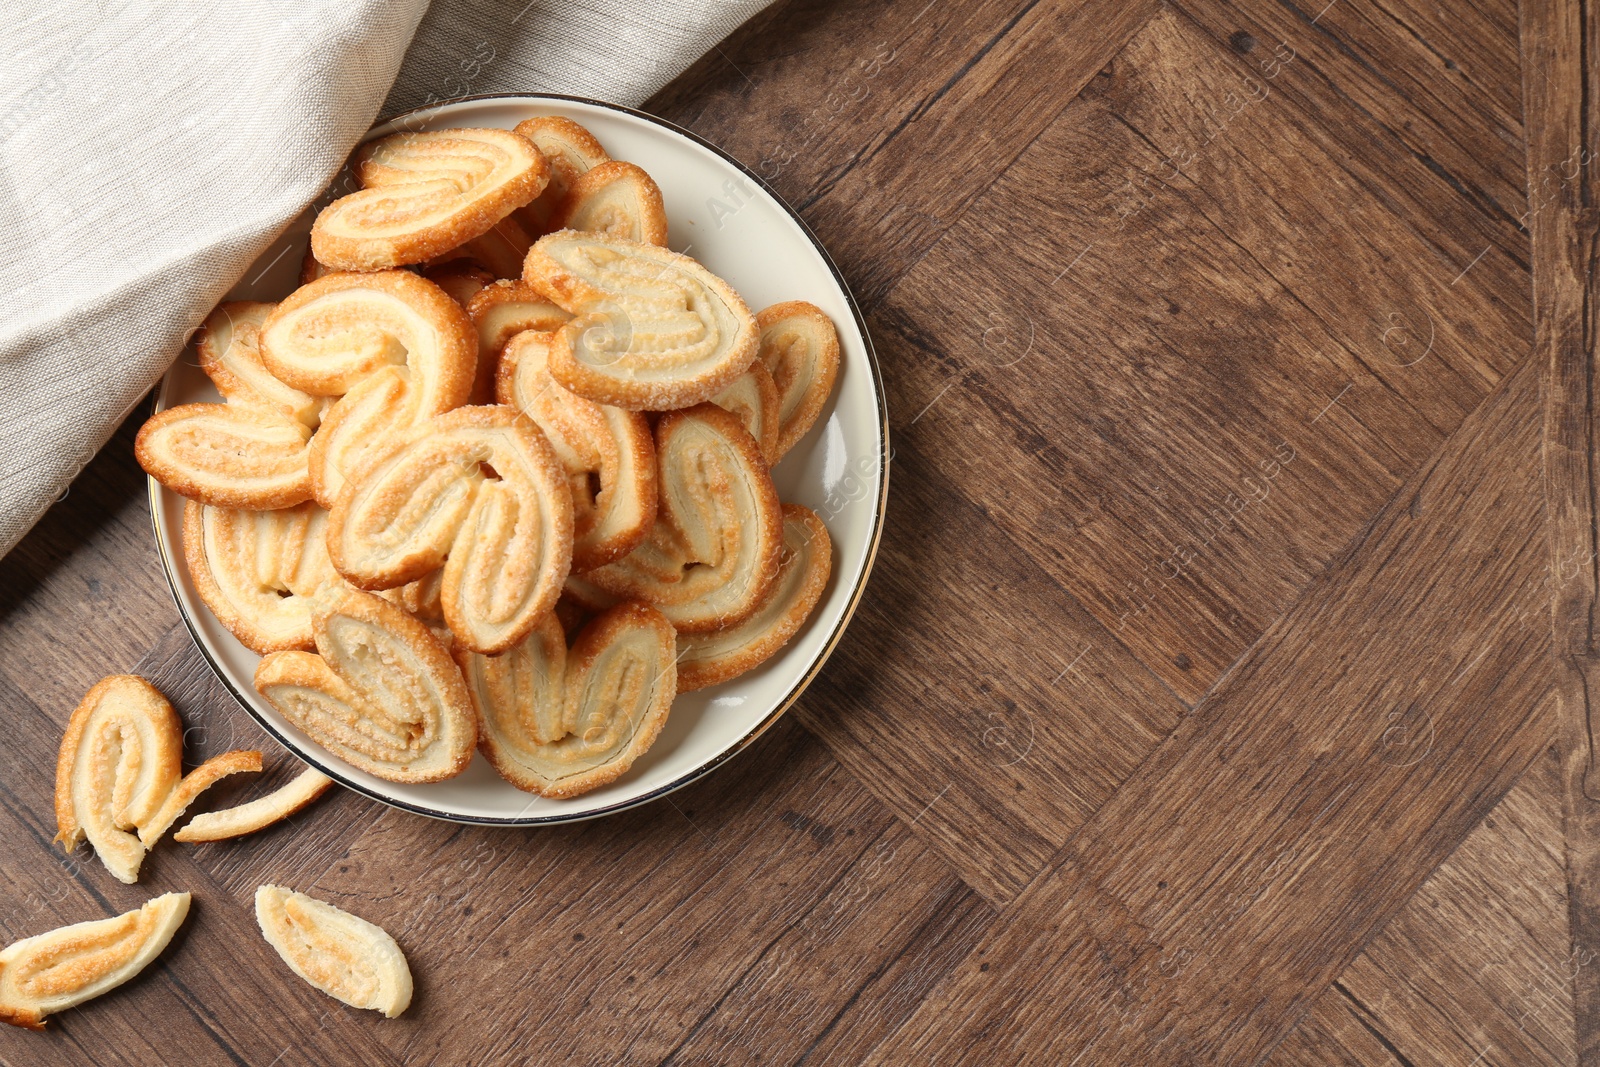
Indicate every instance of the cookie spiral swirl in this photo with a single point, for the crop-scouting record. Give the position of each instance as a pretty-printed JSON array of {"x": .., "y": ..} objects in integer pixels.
[
  {"x": 424, "y": 194},
  {"x": 715, "y": 548},
  {"x": 608, "y": 453},
  {"x": 54, "y": 971},
  {"x": 252, "y": 450},
  {"x": 477, "y": 491},
  {"x": 561, "y": 722},
  {"x": 393, "y": 347},
  {"x": 652, "y": 330},
  {"x": 380, "y": 692},
  {"x": 119, "y": 776}
]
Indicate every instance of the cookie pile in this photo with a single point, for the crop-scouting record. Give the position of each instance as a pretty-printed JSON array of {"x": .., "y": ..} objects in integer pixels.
[{"x": 497, "y": 474}]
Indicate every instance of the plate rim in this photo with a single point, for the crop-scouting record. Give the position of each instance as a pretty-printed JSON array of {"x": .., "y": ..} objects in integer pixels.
[{"x": 880, "y": 508}]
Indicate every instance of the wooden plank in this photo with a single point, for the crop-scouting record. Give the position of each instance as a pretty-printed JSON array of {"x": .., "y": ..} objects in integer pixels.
[
  {"x": 982, "y": 703},
  {"x": 650, "y": 935},
  {"x": 1562, "y": 90},
  {"x": 1441, "y": 82},
  {"x": 82, "y": 595},
  {"x": 882, "y": 147},
  {"x": 1268, "y": 280},
  {"x": 1478, "y": 967},
  {"x": 1203, "y": 910},
  {"x": 219, "y": 994}
]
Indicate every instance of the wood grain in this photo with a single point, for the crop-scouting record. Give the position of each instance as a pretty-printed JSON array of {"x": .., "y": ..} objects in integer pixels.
[
  {"x": 1478, "y": 966},
  {"x": 1186, "y": 715},
  {"x": 1354, "y": 725},
  {"x": 1558, "y": 42}
]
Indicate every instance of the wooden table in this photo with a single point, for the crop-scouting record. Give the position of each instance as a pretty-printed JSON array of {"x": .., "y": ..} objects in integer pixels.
[{"x": 1202, "y": 707}]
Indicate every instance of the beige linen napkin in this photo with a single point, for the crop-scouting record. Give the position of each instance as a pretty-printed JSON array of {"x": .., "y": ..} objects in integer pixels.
[{"x": 150, "y": 151}]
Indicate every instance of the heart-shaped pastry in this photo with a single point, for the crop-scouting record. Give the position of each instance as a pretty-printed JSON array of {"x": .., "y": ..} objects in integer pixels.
[
  {"x": 346, "y": 957},
  {"x": 608, "y": 453},
  {"x": 715, "y": 547},
  {"x": 51, "y": 972},
  {"x": 252, "y": 450},
  {"x": 617, "y": 199},
  {"x": 753, "y": 397},
  {"x": 652, "y": 330},
  {"x": 800, "y": 347},
  {"x": 393, "y": 347},
  {"x": 709, "y": 658},
  {"x": 560, "y": 723},
  {"x": 380, "y": 693},
  {"x": 477, "y": 491},
  {"x": 424, "y": 194},
  {"x": 258, "y": 570},
  {"x": 500, "y": 312},
  {"x": 569, "y": 151},
  {"x": 121, "y": 769},
  {"x": 259, "y": 813}
]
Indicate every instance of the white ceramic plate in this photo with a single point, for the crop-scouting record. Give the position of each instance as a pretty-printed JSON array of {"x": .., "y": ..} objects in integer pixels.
[{"x": 722, "y": 214}]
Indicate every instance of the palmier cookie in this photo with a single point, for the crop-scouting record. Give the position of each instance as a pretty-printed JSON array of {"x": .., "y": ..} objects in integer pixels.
[
  {"x": 392, "y": 346},
  {"x": 380, "y": 693},
  {"x": 608, "y": 454},
  {"x": 500, "y": 251},
  {"x": 346, "y": 957},
  {"x": 560, "y": 723},
  {"x": 652, "y": 330},
  {"x": 259, "y": 570},
  {"x": 718, "y": 537},
  {"x": 477, "y": 491},
  {"x": 753, "y": 397},
  {"x": 709, "y": 658},
  {"x": 259, "y": 813},
  {"x": 252, "y": 450},
  {"x": 54, "y": 971},
  {"x": 570, "y": 151},
  {"x": 800, "y": 347},
  {"x": 121, "y": 769},
  {"x": 617, "y": 199},
  {"x": 500, "y": 312},
  {"x": 425, "y": 193},
  {"x": 461, "y": 279}
]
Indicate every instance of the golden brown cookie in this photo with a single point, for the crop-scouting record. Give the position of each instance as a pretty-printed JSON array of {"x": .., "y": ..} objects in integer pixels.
[
  {"x": 392, "y": 346},
  {"x": 709, "y": 658},
  {"x": 500, "y": 312},
  {"x": 258, "y": 570},
  {"x": 801, "y": 348},
  {"x": 346, "y": 957},
  {"x": 380, "y": 693},
  {"x": 652, "y": 330},
  {"x": 54, "y": 971},
  {"x": 257, "y": 814},
  {"x": 477, "y": 491},
  {"x": 560, "y": 723},
  {"x": 121, "y": 769},
  {"x": 569, "y": 151},
  {"x": 461, "y": 279},
  {"x": 753, "y": 397},
  {"x": 252, "y": 450},
  {"x": 425, "y": 193},
  {"x": 617, "y": 199},
  {"x": 499, "y": 251},
  {"x": 608, "y": 454},
  {"x": 715, "y": 547}
]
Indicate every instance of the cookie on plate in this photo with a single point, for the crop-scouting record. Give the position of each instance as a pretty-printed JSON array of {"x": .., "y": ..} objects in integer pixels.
[
  {"x": 380, "y": 693},
  {"x": 652, "y": 330},
  {"x": 424, "y": 194},
  {"x": 561, "y": 722}
]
